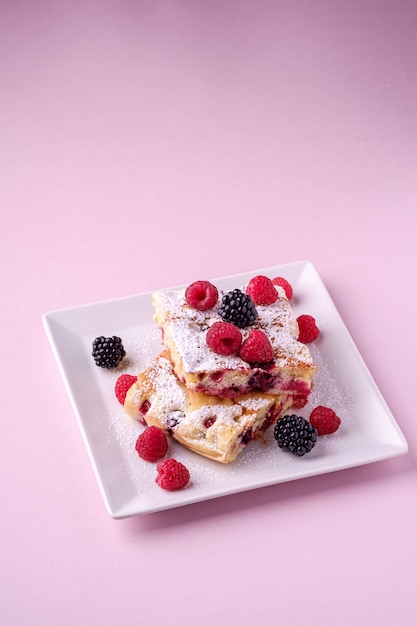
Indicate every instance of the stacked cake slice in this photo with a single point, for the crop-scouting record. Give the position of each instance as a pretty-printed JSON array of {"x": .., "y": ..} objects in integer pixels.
[
  {"x": 218, "y": 428},
  {"x": 216, "y": 396}
]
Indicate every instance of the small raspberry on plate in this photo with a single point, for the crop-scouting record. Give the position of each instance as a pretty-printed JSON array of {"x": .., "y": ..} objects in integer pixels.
[
  {"x": 123, "y": 384},
  {"x": 172, "y": 475},
  {"x": 152, "y": 444},
  {"x": 324, "y": 420},
  {"x": 279, "y": 281},
  {"x": 261, "y": 290},
  {"x": 256, "y": 348},
  {"x": 307, "y": 328},
  {"x": 201, "y": 295},
  {"x": 224, "y": 338}
]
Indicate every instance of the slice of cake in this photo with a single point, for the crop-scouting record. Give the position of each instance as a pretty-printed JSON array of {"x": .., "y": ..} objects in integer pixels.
[
  {"x": 217, "y": 428},
  {"x": 184, "y": 332}
]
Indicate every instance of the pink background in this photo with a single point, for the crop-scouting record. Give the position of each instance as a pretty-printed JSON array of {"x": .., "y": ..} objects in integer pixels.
[{"x": 146, "y": 144}]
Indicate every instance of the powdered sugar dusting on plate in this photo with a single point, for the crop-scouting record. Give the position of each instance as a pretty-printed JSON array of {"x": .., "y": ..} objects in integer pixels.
[
  {"x": 330, "y": 391},
  {"x": 141, "y": 345}
]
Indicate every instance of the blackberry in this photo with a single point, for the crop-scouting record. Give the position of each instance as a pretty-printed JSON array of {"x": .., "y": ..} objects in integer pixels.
[
  {"x": 108, "y": 351},
  {"x": 238, "y": 308},
  {"x": 296, "y": 434}
]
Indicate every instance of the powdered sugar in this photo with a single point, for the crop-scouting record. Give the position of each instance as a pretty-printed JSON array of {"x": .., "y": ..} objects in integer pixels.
[
  {"x": 167, "y": 389},
  {"x": 188, "y": 328},
  {"x": 254, "y": 404},
  {"x": 219, "y": 412}
]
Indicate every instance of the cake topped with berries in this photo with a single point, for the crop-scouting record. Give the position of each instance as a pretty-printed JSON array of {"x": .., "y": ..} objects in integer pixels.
[
  {"x": 231, "y": 343},
  {"x": 217, "y": 428}
]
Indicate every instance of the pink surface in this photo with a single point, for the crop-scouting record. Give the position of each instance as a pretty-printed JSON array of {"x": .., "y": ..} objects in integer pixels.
[{"x": 146, "y": 144}]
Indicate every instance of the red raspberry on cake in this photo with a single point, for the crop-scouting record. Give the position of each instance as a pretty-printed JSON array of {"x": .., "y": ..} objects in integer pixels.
[
  {"x": 172, "y": 475},
  {"x": 122, "y": 386},
  {"x": 257, "y": 348},
  {"x": 224, "y": 338},
  {"x": 308, "y": 330},
  {"x": 152, "y": 444},
  {"x": 324, "y": 420},
  {"x": 279, "y": 281},
  {"x": 201, "y": 295},
  {"x": 261, "y": 290}
]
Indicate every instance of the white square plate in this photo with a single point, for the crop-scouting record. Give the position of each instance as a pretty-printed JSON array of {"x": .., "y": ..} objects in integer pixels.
[{"x": 368, "y": 432}]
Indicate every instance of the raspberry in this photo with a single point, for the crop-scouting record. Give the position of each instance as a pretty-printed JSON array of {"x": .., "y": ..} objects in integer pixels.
[
  {"x": 108, "y": 351},
  {"x": 257, "y": 348},
  {"x": 307, "y": 329},
  {"x": 201, "y": 295},
  {"x": 296, "y": 434},
  {"x": 261, "y": 290},
  {"x": 224, "y": 338},
  {"x": 324, "y": 420},
  {"x": 123, "y": 384},
  {"x": 152, "y": 444},
  {"x": 281, "y": 282},
  {"x": 238, "y": 308},
  {"x": 172, "y": 475}
]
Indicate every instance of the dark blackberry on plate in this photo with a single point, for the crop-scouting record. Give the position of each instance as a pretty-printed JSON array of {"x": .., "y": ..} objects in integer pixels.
[
  {"x": 295, "y": 434},
  {"x": 108, "y": 351}
]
